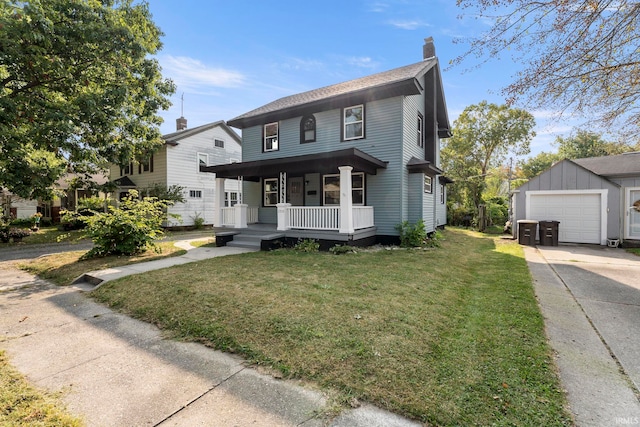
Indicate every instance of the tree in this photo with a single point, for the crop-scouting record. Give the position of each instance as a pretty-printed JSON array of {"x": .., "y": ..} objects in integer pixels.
[
  {"x": 588, "y": 144},
  {"x": 534, "y": 166},
  {"x": 78, "y": 87},
  {"x": 579, "y": 56},
  {"x": 483, "y": 135}
]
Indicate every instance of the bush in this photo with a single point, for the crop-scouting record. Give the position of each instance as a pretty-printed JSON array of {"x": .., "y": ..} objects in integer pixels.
[
  {"x": 71, "y": 220},
  {"x": 129, "y": 229},
  {"x": 307, "y": 245},
  {"x": 198, "y": 221},
  {"x": 412, "y": 236},
  {"x": 342, "y": 249},
  {"x": 94, "y": 203}
]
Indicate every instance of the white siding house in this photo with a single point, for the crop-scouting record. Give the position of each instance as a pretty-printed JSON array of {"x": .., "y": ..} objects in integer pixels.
[{"x": 178, "y": 163}]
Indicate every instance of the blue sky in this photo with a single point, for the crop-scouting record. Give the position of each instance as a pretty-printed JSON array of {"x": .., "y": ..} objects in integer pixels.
[{"x": 230, "y": 57}]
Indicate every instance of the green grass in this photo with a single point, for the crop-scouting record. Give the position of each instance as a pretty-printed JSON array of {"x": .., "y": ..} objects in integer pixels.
[
  {"x": 635, "y": 251},
  {"x": 51, "y": 235},
  {"x": 23, "y": 405},
  {"x": 62, "y": 270},
  {"x": 451, "y": 336}
]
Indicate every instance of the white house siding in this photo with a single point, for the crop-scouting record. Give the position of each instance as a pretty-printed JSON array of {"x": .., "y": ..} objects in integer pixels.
[
  {"x": 183, "y": 170},
  {"x": 566, "y": 175}
]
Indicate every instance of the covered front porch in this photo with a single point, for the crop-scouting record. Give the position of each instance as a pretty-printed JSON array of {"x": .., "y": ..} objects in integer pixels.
[{"x": 312, "y": 193}]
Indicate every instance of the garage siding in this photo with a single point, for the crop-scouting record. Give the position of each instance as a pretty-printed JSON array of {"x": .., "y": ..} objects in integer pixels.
[{"x": 566, "y": 175}]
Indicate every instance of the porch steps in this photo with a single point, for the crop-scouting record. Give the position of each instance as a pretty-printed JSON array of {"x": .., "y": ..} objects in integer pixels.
[{"x": 253, "y": 237}]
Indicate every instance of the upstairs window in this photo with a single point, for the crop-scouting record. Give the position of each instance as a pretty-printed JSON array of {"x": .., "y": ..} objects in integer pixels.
[
  {"x": 146, "y": 165},
  {"x": 218, "y": 143},
  {"x": 420, "y": 131},
  {"x": 353, "y": 122},
  {"x": 308, "y": 129},
  {"x": 127, "y": 169},
  {"x": 271, "y": 137}
]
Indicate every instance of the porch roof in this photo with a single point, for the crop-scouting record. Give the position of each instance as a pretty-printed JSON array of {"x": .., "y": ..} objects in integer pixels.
[{"x": 319, "y": 163}]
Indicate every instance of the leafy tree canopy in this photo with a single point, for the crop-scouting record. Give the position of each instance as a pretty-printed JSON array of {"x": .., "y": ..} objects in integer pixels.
[
  {"x": 78, "y": 87},
  {"x": 483, "y": 135},
  {"x": 578, "y": 56}
]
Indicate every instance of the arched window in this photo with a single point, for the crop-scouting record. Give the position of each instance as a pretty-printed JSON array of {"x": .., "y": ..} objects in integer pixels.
[{"x": 308, "y": 129}]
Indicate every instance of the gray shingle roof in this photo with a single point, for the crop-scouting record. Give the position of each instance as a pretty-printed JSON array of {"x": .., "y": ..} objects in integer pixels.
[
  {"x": 174, "y": 137},
  {"x": 399, "y": 75},
  {"x": 618, "y": 165}
]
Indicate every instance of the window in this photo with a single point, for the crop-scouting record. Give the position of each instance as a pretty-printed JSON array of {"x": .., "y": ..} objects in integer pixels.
[
  {"x": 427, "y": 184},
  {"x": 146, "y": 165},
  {"x": 353, "y": 122},
  {"x": 218, "y": 143},
  {"x": 230, "y": 198},
  {"x": 270, "y": 191},
  {"x": 442, "y": 195},
  {"x": 203, "y": 160},
  {"x": 126, "y": 170},
  {"x": 195, "y": 194},
  {"x": 307, "y": 129},
  {"x": 420, "y": 130},
  {"x": 331, "y": 189},
  {"x": 271, "y": 137}
]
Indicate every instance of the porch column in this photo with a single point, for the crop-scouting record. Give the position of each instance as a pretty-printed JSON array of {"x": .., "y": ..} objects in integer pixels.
[
  {"x": 218, "y": 202},
  {"x": 283, "y": 224},
  {"x": 346, "y": 201},
  {"x": 240, "y": 211}
]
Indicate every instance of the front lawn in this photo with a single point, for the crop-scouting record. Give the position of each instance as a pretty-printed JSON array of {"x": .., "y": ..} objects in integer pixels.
[{"x": 451, "y": 336}]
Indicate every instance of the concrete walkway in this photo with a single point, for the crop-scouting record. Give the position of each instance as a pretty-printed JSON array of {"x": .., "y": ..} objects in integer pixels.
[
  {"x": 590, "y": 300},
  {"x": 117, "y": 371}
]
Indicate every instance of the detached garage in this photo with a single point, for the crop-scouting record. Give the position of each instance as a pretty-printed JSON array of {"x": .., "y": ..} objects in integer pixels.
[{"x": 587, "y": 205}]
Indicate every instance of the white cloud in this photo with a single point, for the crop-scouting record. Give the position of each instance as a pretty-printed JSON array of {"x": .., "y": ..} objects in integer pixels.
[
  {"x": 378, "y": 7},
  {"x": 409, "y": 24},
  {"x": 189, "y": 73},
  {"x": 362, "y": 62}
]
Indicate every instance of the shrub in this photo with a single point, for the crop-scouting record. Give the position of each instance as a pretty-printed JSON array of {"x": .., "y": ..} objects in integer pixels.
[
  {"x": 342, "y": 249},
  {"x": 128, "y": 229},
  {"x": 71, "y": 220},
  {"x": 18, "y": 233},
  {"x": 307, "y": 245},
  {"x": 198, "y": 221},
  {"x": 94, "y": 203},
  {"x": 412, "y": 236}
]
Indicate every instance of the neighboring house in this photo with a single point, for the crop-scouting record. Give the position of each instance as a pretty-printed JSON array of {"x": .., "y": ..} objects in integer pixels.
[
  {"x": 595, "y": 199},
  {"x": 178, "y": 163},
  {"x": 347, "y": 162},
  {"x": 12, "y": 206}
]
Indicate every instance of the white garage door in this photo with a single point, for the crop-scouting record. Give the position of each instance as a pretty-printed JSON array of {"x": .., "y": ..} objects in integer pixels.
[{"x": 579, "y": 214}]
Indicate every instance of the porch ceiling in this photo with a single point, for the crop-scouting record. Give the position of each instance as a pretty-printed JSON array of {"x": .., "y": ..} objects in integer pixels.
[{"x": 311, "y": 163}]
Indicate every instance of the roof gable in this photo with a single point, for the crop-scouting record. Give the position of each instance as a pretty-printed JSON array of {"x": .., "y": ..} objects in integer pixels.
[
  {"x": 627, "y": 164},
  {"x": 174, "y": 137},
  {"x": 396, "y": 82}
]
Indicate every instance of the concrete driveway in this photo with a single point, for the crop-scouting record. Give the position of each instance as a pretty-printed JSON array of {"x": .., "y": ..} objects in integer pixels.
[{"x": 590, "y": 298}]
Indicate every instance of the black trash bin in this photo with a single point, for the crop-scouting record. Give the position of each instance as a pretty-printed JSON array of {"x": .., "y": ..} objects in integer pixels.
[
  {"x": 527, "y": 232},
  {"x": 549, "y": 233}
]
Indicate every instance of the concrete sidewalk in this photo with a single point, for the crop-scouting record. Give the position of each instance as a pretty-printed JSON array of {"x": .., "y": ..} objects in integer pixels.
[
  {"x": 590, "y": 300},
  {"x": 117, "y": 371}
]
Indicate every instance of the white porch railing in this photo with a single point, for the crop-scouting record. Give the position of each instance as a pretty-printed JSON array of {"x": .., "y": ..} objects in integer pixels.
[
  {"x": 229, "y": 216},
  {"x": 325, "y": 218}
]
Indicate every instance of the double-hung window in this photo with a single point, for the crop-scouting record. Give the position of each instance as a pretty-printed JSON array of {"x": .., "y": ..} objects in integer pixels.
[
  {"x": 195, "y": 194},
  {"x": 307, "y": 129},
  {"x": 270, "y": 191},
  {"x": 271, "y": 137},
  {"x": 353, "y": 122},
  {"x": 427, "y": 184},
  {"x": 442, "y": 194},
  {"x": 230, "y": 198},
  {"x": 331, "y": 189},
  {"x": 146, "y": 165}
]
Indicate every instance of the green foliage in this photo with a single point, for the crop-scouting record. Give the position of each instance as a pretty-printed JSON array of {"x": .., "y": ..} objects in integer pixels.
[
  {"x": 460, "y": 215},
  {"x": 198, "y": 221},
  {"x": 72, "y": 220},
  {"x": 483, "y": 135},
  {"x": 534, "y": 166},
  {"x": 79, "y": 86},
  {"x": 342, "y": 249},
  {"x": 588, "y": 144},
  {"x": 307, "y": 245},
  {"x": 129, "y": 229},
  {"x": 412, "y": 235},
  {"x": 174, "y": 193},
  {"x": 94, "y": 203}
]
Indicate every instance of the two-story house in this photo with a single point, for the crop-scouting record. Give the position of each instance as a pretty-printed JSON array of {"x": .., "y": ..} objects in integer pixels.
[
  {"x": 178, "y": 163},
  {"x": 345, "y": 163}
]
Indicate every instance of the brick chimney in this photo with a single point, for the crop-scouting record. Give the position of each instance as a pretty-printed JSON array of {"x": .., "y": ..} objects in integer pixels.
[
  {"x": 429, "y": 49},
  {"x": 181, "y": 123}
]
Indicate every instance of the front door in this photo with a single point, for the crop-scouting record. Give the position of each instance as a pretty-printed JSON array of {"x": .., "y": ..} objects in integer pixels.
[
  {"x": 632, "y": 229},
  {"x": 295, "y": 191}
]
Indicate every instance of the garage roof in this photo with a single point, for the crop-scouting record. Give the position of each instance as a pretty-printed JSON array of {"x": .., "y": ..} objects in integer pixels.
[{"x": 627, "y": 164}]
